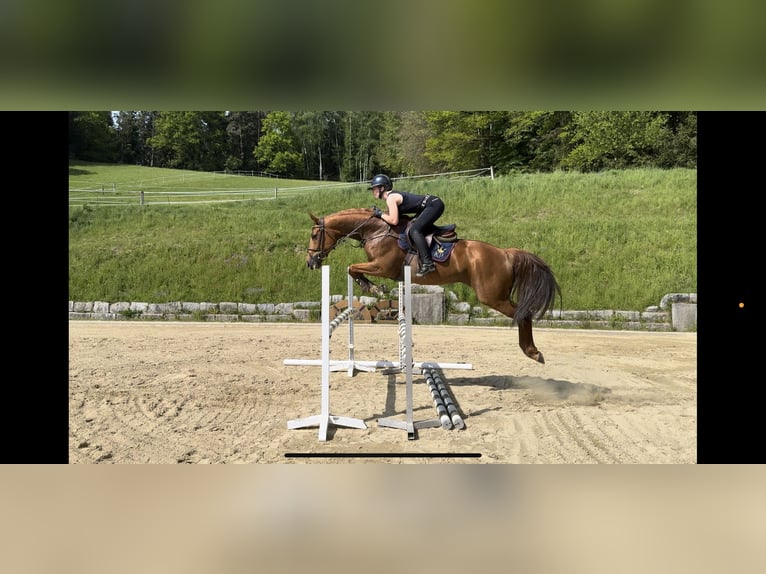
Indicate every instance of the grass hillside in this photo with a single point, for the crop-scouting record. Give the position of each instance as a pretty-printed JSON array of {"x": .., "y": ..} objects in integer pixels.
[{"x": 615, "y": 240}]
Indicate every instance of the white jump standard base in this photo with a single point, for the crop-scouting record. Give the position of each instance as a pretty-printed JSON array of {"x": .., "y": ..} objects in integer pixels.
[{"x": 324, "y": 419}]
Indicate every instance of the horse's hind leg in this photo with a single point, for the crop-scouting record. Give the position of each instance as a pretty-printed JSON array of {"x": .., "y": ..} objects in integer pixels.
[{"x": 526, "y": 341}]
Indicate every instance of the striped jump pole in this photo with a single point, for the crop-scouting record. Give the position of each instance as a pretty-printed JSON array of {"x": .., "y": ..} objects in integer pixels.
[
  {"x": 446, "y": 398},
  {"x": 402, "y": 321},
  {"x": 325, "y": 418},
  {"x": 403, "y": 325},
  {"x": 441, "y": 409},
  {"x": 351, "y": 365},
  {"x": 407, "y": 364},
  {"x": 445, "y": 406}
]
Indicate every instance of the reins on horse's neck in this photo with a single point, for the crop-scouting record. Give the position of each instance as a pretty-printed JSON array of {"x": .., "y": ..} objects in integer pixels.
[
  {"x": 357, "y": 228},
  {"x": 387, "y": 233},
  {"x": 363, "y": 240},
  {"x": 324, "y": 252}
]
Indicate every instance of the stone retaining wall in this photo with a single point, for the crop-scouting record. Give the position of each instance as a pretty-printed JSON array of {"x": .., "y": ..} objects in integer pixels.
[{"x": 676, "y": 312}]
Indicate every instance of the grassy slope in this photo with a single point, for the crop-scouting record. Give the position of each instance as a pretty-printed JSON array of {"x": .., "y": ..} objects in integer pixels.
[{"x": 616, "y": 240}]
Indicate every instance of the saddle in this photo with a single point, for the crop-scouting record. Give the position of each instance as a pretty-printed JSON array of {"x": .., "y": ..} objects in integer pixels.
[{"x": 440, "y": 239}]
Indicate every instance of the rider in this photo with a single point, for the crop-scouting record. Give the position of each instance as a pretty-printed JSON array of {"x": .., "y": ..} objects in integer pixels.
[{"x": 426, "y": 209}]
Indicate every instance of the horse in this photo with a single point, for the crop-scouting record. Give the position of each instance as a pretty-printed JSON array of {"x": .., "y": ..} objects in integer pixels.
[{"x": 515, "y": 282}]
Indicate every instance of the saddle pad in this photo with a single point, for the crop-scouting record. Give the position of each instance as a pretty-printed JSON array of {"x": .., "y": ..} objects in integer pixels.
[{"x": 439, "y": 251}]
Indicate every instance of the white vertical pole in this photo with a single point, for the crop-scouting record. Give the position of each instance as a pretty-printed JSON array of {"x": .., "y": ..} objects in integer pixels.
[
  {"x": 408, "y": 347},
  {"x": 325, "y": 419},
  {"x": 325, "y": 414},
  {"x": 350, "y": 325}
]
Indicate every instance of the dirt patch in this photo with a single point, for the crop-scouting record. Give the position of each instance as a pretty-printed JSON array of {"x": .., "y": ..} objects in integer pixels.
[{"x": 178, "y": 392}]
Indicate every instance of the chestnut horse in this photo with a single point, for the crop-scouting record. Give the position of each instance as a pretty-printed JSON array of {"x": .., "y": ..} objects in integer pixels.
[{"x": 514, "y": 282}]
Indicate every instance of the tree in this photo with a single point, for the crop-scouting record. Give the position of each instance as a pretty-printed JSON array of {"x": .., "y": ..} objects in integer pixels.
[
  {"x": 334, "y": 144},
  {"x": 681, "y": 150},
  {"x": 389, "y": 155},
  {"x": 532, "y": 141},
  {"x": 92, "y": 137},
  {"x": 450, "y": 147},
  {"x": 414, "y": 132},
  {"x": 353, "y": 146},
  {"x": 212, "y": 151},
  {"x": 309, "y": 128},
  {"x": 361, "y": 144},
  {"x": 145, "y": 124},
  {"x": 134, "y": 128},
  {"x": 276, "y": 151},
  {"x": 243, "y": 130},
  {"x": 463, "y": 140},
  {"x": 616, "y": 140},
  {"x": 189, "y": 140}
]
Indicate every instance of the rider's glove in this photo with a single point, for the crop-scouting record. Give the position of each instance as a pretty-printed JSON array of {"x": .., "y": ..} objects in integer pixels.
[{"x": 376, "y": 212}]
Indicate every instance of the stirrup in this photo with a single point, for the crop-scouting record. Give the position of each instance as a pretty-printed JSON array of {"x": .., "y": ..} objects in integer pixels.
[{"x": 425, "y": 268}]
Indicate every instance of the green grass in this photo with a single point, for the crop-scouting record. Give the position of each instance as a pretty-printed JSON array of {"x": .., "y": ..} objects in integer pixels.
[
  {"x": 99, "y": 184},
  {"x": 615, "y": 240}
]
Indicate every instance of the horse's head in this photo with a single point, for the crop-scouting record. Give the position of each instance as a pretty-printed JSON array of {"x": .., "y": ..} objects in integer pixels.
[
  {"x": 327, "y": 232},
  {"x": 320, "y": 244}
]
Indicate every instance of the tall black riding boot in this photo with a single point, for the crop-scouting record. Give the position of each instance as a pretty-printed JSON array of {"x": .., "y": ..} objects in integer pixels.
[{"x": 426, "y": 264}]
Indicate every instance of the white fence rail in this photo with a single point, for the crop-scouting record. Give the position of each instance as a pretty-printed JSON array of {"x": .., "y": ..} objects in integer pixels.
[{"x": 164, "y": 192}]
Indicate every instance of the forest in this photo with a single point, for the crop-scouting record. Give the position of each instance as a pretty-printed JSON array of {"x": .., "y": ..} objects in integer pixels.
[{"x": 352, "y": 146}]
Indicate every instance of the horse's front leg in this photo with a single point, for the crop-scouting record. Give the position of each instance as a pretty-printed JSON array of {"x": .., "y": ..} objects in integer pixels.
[{"x": 358, "y": 271}]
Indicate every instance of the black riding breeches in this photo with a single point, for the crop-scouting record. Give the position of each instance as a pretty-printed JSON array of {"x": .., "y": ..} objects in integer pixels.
[{"x": 422, "y": 223}]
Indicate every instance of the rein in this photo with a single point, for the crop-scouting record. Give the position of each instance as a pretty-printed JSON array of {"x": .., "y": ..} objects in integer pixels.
[{"x": 322, "y": 253}]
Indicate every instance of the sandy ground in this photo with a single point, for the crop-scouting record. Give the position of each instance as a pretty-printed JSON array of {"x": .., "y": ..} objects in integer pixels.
[{"x": 178, "y": 392}]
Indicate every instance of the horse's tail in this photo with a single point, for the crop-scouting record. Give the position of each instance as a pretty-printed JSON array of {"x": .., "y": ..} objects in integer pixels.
[{"x": 534, "y": 287}]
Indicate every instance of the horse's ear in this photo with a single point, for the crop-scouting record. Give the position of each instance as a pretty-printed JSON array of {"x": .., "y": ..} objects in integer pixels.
[{"x": 314, "y": 218}]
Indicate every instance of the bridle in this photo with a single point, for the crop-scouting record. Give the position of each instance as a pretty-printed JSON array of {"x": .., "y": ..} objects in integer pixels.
[{"x": 319, "y": 255}]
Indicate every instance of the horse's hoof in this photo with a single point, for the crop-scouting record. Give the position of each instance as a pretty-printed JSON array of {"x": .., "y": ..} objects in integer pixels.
[{"x": 538, "y": 356}]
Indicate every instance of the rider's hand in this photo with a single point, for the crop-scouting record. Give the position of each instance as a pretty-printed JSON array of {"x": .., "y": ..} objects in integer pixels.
[{"x": 376, "y": 212}]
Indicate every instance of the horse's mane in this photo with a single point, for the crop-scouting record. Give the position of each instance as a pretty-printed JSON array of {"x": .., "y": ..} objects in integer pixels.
[
  {"x": 354, "y": 211},
  {"x": 355, "y": 216},
  {"x": 359, "y": 213}
]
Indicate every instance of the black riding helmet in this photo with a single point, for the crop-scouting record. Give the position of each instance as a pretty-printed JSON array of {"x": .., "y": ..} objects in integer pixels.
[{"x": 383, "y": 180}]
